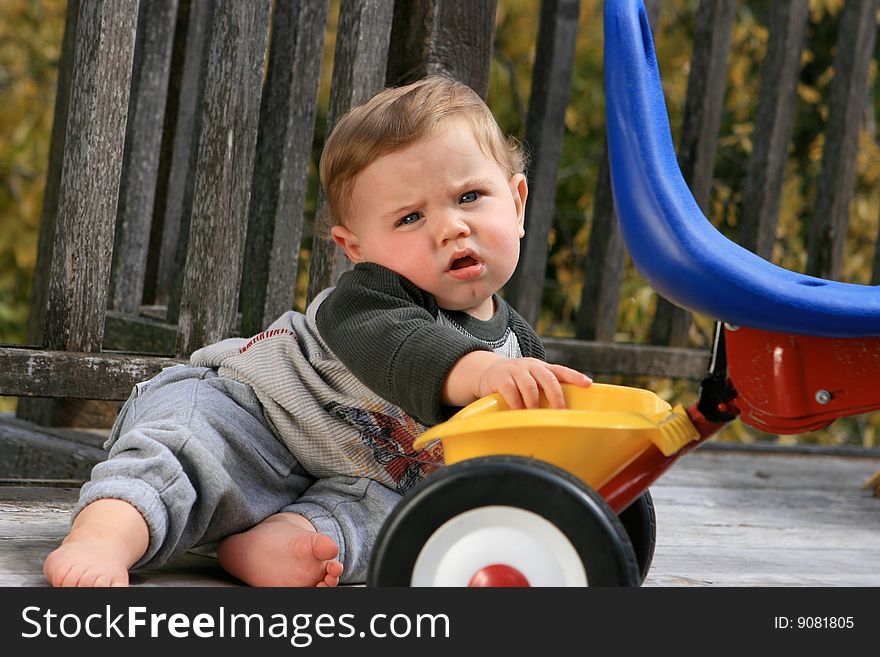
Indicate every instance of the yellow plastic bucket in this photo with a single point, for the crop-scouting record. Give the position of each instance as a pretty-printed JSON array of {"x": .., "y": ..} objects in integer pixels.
[{"x": 603, "y": 429}]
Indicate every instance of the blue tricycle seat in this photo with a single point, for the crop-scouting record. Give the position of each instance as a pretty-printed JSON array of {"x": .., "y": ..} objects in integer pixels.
[{"x": 672, "y": 244}]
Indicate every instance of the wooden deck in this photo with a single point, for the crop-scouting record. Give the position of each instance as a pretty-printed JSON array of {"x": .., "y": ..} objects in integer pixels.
[{"x": 725, "y": 518}]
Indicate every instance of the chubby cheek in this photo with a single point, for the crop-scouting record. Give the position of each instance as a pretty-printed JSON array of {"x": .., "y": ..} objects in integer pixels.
[
  {"x": 506, "y": 254},
  {"x": 408, "y": 258}
]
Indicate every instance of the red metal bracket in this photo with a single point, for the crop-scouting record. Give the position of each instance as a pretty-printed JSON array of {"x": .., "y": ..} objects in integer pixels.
[{"x": 795, "y": 383}]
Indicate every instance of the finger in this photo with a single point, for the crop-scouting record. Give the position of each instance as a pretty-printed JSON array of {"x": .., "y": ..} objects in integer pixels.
[
  {"x": 567, "y": 375},
  {"x": 529, "y": 389},
  {"x": 509, "y": 391},
  {"x": 551, "y": 387}
]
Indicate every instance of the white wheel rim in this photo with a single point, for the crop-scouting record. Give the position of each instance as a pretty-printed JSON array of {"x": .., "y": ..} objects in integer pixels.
[{"x": 506, "y": 535}]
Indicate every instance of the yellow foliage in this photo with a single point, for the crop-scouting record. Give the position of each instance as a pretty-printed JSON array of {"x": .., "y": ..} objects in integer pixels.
[
  {"x": 819, "y": 9},
  {"x": 808, "y": 94}
]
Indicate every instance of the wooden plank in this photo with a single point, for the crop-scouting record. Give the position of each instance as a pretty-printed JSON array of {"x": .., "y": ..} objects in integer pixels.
[
  {"x": 89, "y": 186},
  {"x": 545, "y": 127},
  {"x": 281, "y": 169},
  {"x": 358, "y": 74},
  {"x": 603, "y": 268},
  {"x": 169, "y": 232},
  {"x": 699, "y": 136},
  {"x": 42, "y": 410},
  {"x": 742, "y": 518},
  {"x": 773, "y": 119},
  {"x": 834, "y": 185},
  {"x": 747, "y": 518},
  {"x": 448, "y": 37},
  {"x": 166, "y": 149},
  {"x": 29, "y": 452},
  {"x": 39, "y": 373},
  {"x": 705, "y": 96},
  {"x": 21, "y": 564},
  {"x": 614, "y": 358},
  {"x": 74, "y": 295},
  {"x": 227, "y": 125},
  {"x": 49, "y": 215},
  {"x": 606, "y": 254},
  {"x": 34, "y": 519},
  {"x": 140, "y": 161},
  {"x": 143, "y": 335}
]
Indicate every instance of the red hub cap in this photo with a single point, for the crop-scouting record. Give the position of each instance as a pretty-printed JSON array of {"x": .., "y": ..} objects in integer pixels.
[{"x": 498, "y": 575}]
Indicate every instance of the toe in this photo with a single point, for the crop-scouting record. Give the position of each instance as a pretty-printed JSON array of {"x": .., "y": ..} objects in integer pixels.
[
  {"x": 334, "y": 569},
  {"x": 324, "y": 548}
]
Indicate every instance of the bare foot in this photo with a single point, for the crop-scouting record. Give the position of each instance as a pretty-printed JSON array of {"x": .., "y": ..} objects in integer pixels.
[
  {"x": 283, "y": 550},
  {"x": 86, "y": 559},
  {"x": 107, "y": 538}
]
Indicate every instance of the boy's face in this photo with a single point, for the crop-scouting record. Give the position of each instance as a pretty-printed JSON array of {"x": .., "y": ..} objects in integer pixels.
[{"x": 442, "y": 214}]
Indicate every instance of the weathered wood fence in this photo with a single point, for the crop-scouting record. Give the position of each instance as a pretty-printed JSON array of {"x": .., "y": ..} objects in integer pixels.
[{"x": 182, "y": 139}]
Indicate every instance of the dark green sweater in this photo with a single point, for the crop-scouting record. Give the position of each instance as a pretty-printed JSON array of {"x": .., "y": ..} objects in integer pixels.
[{"x": 400, "y": 344}]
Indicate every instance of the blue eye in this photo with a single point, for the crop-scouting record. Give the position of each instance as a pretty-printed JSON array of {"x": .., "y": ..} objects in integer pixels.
[
  {"x": 409, "y": 219},
  {"x": 469, "y": 197}
]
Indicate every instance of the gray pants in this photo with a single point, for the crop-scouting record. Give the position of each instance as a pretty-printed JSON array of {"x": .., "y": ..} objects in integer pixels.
[{"x": 194, "y": 454}]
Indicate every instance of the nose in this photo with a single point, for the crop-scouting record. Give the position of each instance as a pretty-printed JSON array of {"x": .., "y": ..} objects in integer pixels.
[{"x": 450, "y": 226}]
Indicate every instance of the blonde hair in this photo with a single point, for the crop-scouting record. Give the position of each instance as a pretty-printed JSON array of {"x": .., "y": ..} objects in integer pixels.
[{"x": 396, "y": 118}]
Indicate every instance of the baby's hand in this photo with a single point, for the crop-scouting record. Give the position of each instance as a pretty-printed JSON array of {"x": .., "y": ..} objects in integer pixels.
[{"x": 520, "y": 382}]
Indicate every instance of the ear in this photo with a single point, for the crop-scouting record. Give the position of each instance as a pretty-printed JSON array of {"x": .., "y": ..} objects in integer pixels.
[
  {"x": 519, "y": 188},
  {"x": 348, "y": 242}
]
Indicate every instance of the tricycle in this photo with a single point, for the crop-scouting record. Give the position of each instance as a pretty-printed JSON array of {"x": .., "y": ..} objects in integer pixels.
[{"x": 561, "y": 497}]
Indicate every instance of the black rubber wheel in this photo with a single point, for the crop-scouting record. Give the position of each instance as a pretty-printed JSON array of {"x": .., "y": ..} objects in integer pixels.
[
  {"x": 640, "y": 522},
  {"x": 536, "y": 491}
]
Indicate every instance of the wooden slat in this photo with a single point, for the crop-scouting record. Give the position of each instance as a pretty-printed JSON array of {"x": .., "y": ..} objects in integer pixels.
[
  {"x": 615, "y": 358},
  {"x": 705, "y": 96},
  {"x": 358, "y": 74},
  {"x": 281, "y": 170},
  {"x": 89, "y": 186},
  {"x": 748, "y": 518},
  {"x": 77, "y": 238},
  {"x": 545, "y": 127},
  {"x": 606, "y": 255},
  {"x": 699, "y": 137},
  {"x": 603, "y": 267},
  {"x": 40, "y": 373},
  {"x": 169, "y": 232},
  {"x": 140, "y": 162},
  {"x": 442, "y": 37},
  {"x": 42, "y": 410},
  {"x": 33, "y": 520},
  {"x": 166, "y": 148},
  {"x": 227, "y": 123},
  {"x": 834, "y": 186},
  {"x": 135, "y": 334},
  {"x": 29, "y": 451},
  {"x": 49, "y": 216},
  {"x": 773, "y": 119}
]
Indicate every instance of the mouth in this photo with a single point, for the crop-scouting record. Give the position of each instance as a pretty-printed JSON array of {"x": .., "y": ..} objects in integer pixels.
[{"x": 464, "y": 265}]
